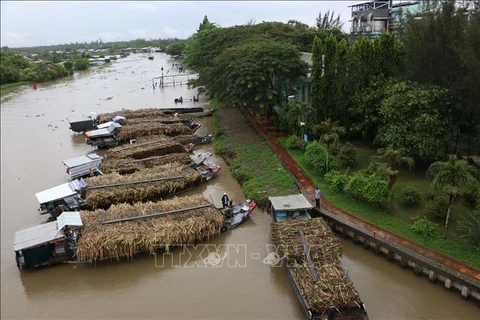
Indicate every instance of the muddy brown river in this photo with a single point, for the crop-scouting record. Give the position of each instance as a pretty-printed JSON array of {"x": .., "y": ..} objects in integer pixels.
[{"x": 35, "y": 138}]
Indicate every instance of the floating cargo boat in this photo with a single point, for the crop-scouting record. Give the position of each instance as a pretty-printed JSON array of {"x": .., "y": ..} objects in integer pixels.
[
  {"x": 61, "y": 198},
  {"x": 124, "y": 231},
  {"x": 310, "y": 253},
  {"x": 105, "y": 136},
  {"x": 87, "y": 165},
  {"x": 48, "y": 243},
  {"x": 147, "y": 113},
  {"x": 84, "y": 124},
  {"x": 237, "y": 214},
  {"x": 148, "y": 184},
  {"x": 204, "y": 167}
]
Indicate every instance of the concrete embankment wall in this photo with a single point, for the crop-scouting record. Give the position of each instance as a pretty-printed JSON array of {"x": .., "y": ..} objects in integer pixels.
[{"x": 468, "y": 287}]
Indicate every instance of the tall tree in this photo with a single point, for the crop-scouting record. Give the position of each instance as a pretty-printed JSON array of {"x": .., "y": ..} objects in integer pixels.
[
  {"x": 328, "y": 21},
  {"x": 391, "y": 159},
  {"x": 417, "y": 118},
  {"x": 449, "y": 177}
]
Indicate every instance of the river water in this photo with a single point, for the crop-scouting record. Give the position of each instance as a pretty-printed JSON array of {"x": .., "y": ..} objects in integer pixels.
[{"x": 35, "y": 138}]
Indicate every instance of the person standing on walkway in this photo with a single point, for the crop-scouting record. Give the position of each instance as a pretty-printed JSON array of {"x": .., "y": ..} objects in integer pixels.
[
  {"x": 225, "y": 200},
  {"x": 318, "y": 195}
]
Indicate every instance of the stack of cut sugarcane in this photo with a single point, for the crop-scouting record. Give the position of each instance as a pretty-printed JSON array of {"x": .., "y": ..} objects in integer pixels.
[
  {"x": 133, "y": 114},
  {"x": 143, "y": 185},
  {"x": 144, "y": 148},
  {"x": 130, "y": 165},
  {"x": 141, "y": 129},
  {"x": 99, "y": 241},
  {"x": 333, "y": 286}
]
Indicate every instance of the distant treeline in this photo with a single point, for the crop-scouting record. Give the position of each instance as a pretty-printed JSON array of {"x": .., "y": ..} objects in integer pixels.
[{"x": 99, "y": 44}]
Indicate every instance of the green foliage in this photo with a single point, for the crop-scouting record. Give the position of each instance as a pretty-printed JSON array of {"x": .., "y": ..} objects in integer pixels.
[
  {"x": 320, "y": 159},
  {"x": 291, "y": 142},
  {"x": 423, "y": 226},
  {"x": 472, "y": 197},
  {"x": 411, "y": 196},
  {"x": 356, "y": 186},
  {"x": 436, "y": 209},
  {"x": 347, "y": 155},
  {"x": 469, "y": 228},
  {"x": 175, "y": 48},
  {"x": 376, "y": 216},
  {"x": 376, "y": 190},
  {"x": 417, "y": 118},
  {"x": 328, "y": 21},
  {"x": 371, "y": 189},
  {"x": 81, "y": 64},
  {"x": 337, "y": 179}
]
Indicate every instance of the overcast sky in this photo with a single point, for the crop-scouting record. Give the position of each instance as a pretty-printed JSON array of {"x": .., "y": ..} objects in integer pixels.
[{"x": 35, "y": 23}]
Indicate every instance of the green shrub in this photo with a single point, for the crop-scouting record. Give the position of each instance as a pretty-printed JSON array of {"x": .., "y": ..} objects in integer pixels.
[
  {"x": 423, "y": 226},
  {"x": 356, "y": 184},
  {"x": 436, "y": 209},
  {"x": 320, "y": 159},
  {"x": 337, "y": 179},
  {"x": 469, "y": 228},
  {"x": 347, "y": 155},
  {"x": 376, "y": 190},
  {"x": 472, "y": 198},
  {"x": 292, "y": 142},
  {"x": 411, "y": 196},
  {"x": 335, "y": 148}
]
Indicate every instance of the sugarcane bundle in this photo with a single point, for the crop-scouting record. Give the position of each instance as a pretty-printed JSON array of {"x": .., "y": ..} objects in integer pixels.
[
  {"x": 141, "y": 150},
  {"x": 187, "y": 138},
  {"x": 99, "y": 241},
  {"x": 321, "y": 241},
  {"x": 155, "y": 119},
  {"x": 333, "y": 286},
  {"x": 135, "y": 131},
  {"x": 143, "y": 185},
  {"x": 130, "y": 165},
  {"x": 132, "y": 114}
]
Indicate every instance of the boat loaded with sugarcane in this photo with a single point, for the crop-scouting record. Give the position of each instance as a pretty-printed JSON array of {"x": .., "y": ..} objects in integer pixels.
[
  {"x": 121, "y": 232},
  {"x": 310, "y": 254},
  {"x": 145, "y": 184}
]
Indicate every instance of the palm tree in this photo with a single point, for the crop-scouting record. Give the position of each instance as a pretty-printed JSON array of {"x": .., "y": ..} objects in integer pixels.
[
  {"x": 449, "y": 177},
  {"x": 328, "y": 21},
  {"x": 390, "y": 159},
  {"x": 331, "y": 131}
]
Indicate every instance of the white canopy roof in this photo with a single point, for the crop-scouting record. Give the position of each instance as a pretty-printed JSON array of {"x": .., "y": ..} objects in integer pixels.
[
  {"x": 291, "y": 202},
  {"x": 55, "y": 193},
  {"x": 69, "y": 219},
  {"x": 78, "y": 161},
  {"x": 37, "y": 235}
]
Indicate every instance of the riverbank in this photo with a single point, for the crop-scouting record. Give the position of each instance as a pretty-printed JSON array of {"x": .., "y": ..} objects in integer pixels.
[
  {"x": 9, "y": 87},
  {"x": 233, "y": 141}
]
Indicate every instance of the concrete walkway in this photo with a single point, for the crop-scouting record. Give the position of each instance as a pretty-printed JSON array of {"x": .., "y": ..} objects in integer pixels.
[{"x": 307, "y": 186}]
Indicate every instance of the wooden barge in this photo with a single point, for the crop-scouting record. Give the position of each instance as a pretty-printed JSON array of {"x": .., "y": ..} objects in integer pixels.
[
  {"x": 310, "y": 255},
  {"x": 124, "y": 231}
]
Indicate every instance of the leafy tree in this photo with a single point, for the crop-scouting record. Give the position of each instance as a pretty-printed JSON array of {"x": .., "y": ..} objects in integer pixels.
[
  {"x": 449, "y": 177},
  {"x": 205, "y": 24},
  {"x": 417, "y": 118},
  {"x": 469, "y": 228},
  {"x": 328, "y": 21},
  {"x": 257, "y": 74},
  {"x": 330, "y": 131},
  {"x": 443, "y": 48},
  {"x": 175, "y": 48},
  {"x": 390, "y": 160}
]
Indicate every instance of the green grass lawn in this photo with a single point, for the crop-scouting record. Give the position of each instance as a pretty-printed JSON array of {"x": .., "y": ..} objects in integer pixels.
[
  {"x": 5, "y": 88},
  {"x": 399, "y": 222},
  {"x": 256, "y": 166}
]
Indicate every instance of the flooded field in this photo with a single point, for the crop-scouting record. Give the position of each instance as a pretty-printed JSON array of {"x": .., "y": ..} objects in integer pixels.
[{"x": 35, "y": 138}]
